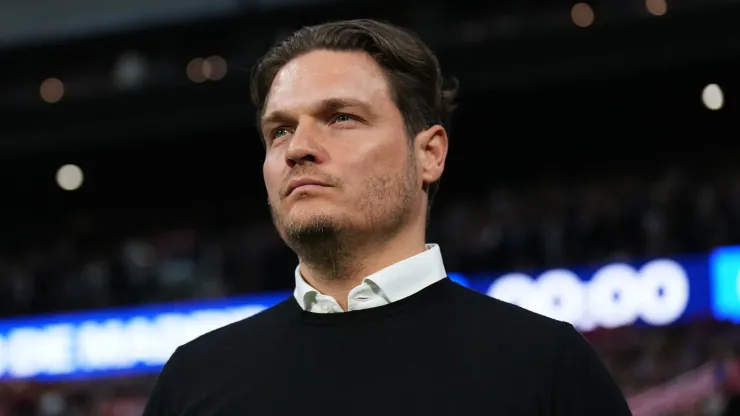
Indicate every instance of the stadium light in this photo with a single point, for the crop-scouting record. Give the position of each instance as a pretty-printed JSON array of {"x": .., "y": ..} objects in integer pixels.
[
  {"x": 215, "y": 68},
  {"x": 70, "y": 177},
  {"x": 713, "y": 97},
  {"x": 582, "y": 15},
  {"x": 51, "y": 90},
  {"x": 194, "y": 70},
  {"x": 656, "y": 7}
]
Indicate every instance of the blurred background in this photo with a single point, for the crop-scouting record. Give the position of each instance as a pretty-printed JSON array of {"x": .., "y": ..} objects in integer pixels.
[{"x": 593, "y": 177}]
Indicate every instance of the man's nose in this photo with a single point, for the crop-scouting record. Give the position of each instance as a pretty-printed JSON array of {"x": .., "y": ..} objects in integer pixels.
[{"x": 305, "y": 145}]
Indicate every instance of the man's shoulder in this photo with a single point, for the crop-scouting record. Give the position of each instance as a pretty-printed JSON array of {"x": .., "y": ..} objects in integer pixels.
[
  {"x": 503, "y": 317},
  {"x": 526, "y": 339},
  {"x": 201, "y": 367},
  {"x": 242, "y": 334},
  {"x": 541, "y": 354}
]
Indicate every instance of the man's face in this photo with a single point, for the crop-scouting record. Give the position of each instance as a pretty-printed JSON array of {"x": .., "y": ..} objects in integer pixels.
[{"x": 330, "y": 118}]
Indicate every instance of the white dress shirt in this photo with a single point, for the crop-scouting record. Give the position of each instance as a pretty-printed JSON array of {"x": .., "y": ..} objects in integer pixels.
[{"x": 391, "y": 284}]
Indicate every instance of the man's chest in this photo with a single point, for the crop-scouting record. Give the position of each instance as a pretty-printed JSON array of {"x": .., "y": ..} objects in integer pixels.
[
  {"x": 354, "y": 397},
  {"x": 405, "y": 383}
]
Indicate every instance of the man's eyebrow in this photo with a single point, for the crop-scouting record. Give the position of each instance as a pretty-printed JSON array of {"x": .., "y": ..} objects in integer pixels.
[
  {"x": 276, "y": 117},
  {"x": 336, "y": 103},
  {"x": 324, "y": 106}
]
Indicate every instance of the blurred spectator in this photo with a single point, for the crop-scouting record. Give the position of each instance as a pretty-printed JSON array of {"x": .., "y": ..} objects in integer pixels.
[{"x": 548, "y": 224}]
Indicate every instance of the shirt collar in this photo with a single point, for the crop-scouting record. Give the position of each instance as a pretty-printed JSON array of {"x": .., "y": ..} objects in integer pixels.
[
  {"x": 304, "y": 293},
  {"x": 397, "y": 281}
]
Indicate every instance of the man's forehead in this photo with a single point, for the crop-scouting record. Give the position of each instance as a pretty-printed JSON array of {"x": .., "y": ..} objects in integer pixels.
[{"x": 321, "y": 75}]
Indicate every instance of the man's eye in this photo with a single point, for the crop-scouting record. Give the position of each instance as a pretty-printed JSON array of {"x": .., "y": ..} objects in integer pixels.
[
  {"x": 278, "y": 133},
  {"x": 343, "y": 118}
]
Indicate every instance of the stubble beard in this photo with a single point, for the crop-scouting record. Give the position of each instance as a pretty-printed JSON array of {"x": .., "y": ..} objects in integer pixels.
[{"x": 331, "y": 245}]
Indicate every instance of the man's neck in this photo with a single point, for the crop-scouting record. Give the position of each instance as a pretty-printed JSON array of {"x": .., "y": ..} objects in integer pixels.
[{"x": 363, "y": 262}]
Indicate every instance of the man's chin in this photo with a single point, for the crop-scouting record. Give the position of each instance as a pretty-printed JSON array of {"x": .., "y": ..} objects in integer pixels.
[
  {"x": 308, "y": 225},
  {"x": 307, "y": 216}
]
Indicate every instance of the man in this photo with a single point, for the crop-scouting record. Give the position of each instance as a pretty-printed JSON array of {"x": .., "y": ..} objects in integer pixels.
[{"x": 352, "y": 115}]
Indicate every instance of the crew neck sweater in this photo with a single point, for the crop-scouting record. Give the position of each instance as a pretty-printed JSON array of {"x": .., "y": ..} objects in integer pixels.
[{"x": 446, "y": 350}]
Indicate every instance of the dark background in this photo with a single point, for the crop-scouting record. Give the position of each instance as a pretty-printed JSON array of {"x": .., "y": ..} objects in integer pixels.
[{"x": 571, "y": 145}]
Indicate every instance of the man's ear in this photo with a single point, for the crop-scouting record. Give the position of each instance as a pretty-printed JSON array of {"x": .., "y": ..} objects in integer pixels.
[{"x": 430, "y": 147}]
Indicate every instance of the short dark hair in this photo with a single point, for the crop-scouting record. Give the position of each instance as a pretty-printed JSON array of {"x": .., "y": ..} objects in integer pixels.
[{"x": 423, "y": 97}]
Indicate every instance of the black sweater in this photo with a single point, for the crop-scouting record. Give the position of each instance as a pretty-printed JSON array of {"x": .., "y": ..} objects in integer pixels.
[{"x": 446, "y": 350}]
